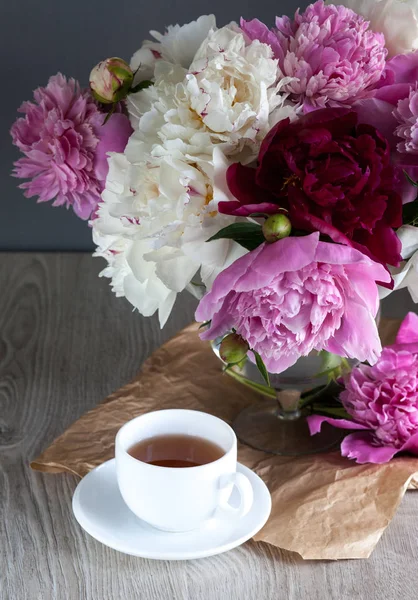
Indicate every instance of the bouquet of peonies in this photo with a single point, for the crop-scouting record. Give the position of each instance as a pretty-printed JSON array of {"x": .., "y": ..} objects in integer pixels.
[{"x": 271, "y": 170}]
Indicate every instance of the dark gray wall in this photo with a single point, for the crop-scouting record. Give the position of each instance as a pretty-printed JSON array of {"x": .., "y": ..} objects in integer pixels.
[{"x": 40, "y": 38}]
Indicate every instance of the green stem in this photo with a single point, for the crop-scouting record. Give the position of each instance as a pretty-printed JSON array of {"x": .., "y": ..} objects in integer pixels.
[
  {"x": 109, "y": 114},
  {"x": 257, "y": 387},
  {"x": 314, "y": 391},
  {"x": 338, "y": 413},
  {"x": 308, "y": 397}
]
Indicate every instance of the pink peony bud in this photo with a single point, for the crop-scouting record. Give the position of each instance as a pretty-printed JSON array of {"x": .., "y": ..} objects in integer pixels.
[
  {"x": 233, "y": 349},
  {"x": 276, "y": 227},
  {"x": 111, "y": 80}
]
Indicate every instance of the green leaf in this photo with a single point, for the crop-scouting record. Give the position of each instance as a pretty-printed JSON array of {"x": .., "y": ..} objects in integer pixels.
[
  {"x": 249, "y": 235},
  {"x": 237, "y": 230},
  {"x": 410, "y": 213},
  {"x": 141, "y": 86},
  {"x": 261, "y": 367},
  {"x": 205, "y": 324}
]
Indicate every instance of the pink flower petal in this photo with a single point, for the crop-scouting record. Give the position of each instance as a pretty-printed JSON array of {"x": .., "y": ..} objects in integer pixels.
[
  {"x": 315, "y": 422},
  {"x": 113, "y": 138},
  {"x": 411, "y": 445},
  {"x": 359, "y": 446},
  {"x": 392, "y": 93},
  {"x": 256, "y": 30},
  {"x": 408, "y": 331},
  {"x": 404, "y": 68},
  {"x": 378, "y": 113},
  {"x": 356, "y": 340},
  {"x": 279, "y": 364}
]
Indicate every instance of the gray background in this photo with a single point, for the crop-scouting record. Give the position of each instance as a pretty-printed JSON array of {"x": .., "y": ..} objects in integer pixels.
[{"x": 40, "y": 38}]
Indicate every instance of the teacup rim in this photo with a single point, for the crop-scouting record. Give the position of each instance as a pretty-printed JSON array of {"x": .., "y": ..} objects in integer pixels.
[{"x": 176, "y": 469}]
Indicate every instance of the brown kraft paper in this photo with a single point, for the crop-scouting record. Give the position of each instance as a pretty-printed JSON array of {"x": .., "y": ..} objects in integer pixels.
[{"x": 323, "y": 506}]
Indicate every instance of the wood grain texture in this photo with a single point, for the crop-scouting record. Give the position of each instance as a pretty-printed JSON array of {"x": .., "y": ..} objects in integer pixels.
[{"x": 65, "y": 343}]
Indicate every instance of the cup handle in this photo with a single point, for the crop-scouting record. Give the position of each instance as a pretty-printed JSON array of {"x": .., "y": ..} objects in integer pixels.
[{"x": 245, "y": 489}]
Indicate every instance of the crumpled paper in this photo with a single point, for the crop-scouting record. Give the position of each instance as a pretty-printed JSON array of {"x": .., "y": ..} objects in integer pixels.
[{"x": 323, "y": 506}]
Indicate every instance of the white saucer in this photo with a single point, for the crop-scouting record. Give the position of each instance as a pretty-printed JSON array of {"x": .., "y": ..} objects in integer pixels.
[{"x": 99, "y": 508}]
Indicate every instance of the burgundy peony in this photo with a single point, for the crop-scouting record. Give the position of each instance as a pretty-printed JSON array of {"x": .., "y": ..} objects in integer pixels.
[{"x": 332, "y": 174}]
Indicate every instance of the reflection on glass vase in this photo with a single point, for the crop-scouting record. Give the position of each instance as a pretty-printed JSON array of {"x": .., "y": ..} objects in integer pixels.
[{"x": 277, "y": 424}]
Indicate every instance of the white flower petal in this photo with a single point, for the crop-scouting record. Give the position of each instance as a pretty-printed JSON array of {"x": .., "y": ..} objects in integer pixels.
[
  {"x": 148, "y": 297},
  {"x": 406, "y": 275},
  {"x": 177, "y": 45},
  {"x": 177, "y": 273},
  {"x": 411, "y": 280},
  {"x": 409, "y": 239}
]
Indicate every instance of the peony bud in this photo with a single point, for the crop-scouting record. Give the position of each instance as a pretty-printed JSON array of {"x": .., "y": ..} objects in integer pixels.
[
  {"x": 111, "y": 80},
  {"x": 276, "y": 227},
  {"x": 233, "y": 349}
]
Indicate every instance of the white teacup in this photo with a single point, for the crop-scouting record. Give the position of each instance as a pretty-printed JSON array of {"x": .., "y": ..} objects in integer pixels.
[{"x": 180, "y": 499}]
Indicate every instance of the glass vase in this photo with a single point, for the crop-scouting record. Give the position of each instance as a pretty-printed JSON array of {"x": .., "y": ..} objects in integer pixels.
[{"x": 277, "y": 424}]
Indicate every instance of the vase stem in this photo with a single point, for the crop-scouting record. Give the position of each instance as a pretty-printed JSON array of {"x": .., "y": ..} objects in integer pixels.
[{"x": 288, "y": 404}]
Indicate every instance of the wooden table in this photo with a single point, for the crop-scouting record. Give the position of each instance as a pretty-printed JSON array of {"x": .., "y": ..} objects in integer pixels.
[{"x": 65, "y": 343}]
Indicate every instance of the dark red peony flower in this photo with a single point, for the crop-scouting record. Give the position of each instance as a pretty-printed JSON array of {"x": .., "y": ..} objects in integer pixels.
[{"x": 332, "y": 175}]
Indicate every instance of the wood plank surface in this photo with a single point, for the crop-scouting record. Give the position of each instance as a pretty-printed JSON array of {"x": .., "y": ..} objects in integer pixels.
[{"x": 65, "y": 343}]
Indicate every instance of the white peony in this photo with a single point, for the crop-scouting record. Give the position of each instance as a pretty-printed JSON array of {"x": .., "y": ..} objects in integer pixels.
[
  {"x": 232, "y": 88},
  {"x": 152, "y": 229},
  {"x": 230, "y": 93},
  {"x": 162, "y": 113},
  {"x": 178, "y": 45},
  {"x": 142, "y": 289},
  {"x": 396, "y": 19},
  {"x": 139, "y": 285},
  {"x": 406, "y": 276},
  {"x": 160, "y": 203}
]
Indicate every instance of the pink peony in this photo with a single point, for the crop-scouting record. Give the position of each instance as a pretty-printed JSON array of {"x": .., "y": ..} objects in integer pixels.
[
  {"x": 330, "y": 51},
  {"x": 406, "y": 114},
  {"x": 383, "y": 402},
  {"x": 394, "y": 112},
  {"x": 297, "y": 295},
  {"x": 65, "y": 145}
]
